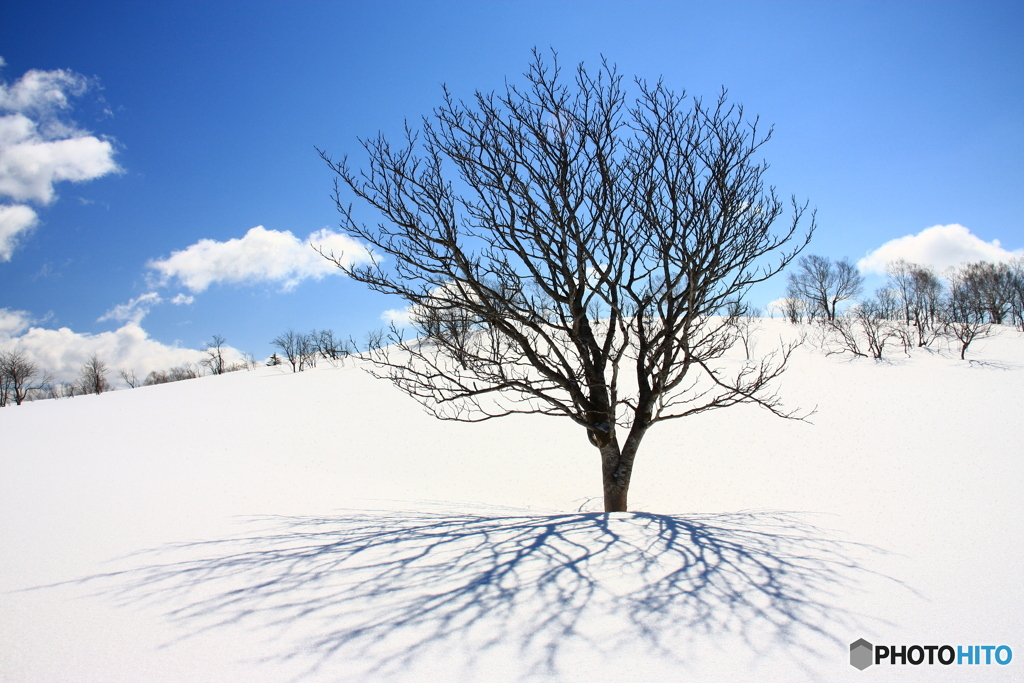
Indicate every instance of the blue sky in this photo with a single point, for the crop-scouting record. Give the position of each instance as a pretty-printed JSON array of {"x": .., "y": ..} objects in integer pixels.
[{"x": 198, "y": 121}]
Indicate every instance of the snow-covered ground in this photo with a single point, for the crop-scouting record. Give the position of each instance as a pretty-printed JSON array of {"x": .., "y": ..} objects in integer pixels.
[{"x": 269, "y": 526}]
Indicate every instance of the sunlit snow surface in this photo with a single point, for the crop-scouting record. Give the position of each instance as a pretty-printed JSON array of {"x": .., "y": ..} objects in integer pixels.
[{"x": 265, "y": 526}]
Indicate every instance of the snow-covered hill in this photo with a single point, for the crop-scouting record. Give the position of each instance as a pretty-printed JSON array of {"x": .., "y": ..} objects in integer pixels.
[{"x": 269, "y": 526}]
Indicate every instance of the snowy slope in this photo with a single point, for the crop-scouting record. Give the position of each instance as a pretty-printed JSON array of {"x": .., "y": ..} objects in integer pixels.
[{"x": 265, "y": 526}]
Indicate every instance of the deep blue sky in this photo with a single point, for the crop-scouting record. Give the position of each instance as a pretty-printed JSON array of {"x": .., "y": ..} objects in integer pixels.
[{"x": 890, "y": 117}]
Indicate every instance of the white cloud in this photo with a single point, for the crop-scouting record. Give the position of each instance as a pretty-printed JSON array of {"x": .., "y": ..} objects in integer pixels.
[
  {"x": 63, "y": 351},
  {"x": 39, "y": 149},
  {"x": 398, "y": 317},
  {"x": 42, "y": 92},
  {"x": 260, "y": 256},
  {"x": 16, "y": 221},
  {"x": 940, "y": 246},
  {"x": 31, "y": 162},
  {"x": 135, "y": 310},
  {"x": 12, "y": 323}
]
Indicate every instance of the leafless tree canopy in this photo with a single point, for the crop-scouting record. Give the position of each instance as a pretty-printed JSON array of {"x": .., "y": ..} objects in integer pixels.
[
  {"x": 214, "y": 359},
  {"x": 17, "y": 373},
  {"x": 566, "y": 251},
  {"x": 302, "y": 350},
  {"x": 93, "y": 378},
  {"x": 176, "y": 374},
  {"x": 823, "y": 285},
  {"x": 915, "y": 308},
  {"x": 129, "y": 377}
]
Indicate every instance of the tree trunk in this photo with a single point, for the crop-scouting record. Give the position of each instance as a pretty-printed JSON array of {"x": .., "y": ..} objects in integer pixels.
[{"x": 616, "y": 470}]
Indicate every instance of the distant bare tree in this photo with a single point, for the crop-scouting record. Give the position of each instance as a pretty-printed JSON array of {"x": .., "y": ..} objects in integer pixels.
[
  {"x": 824, "y": 284},
  {"x": 55, "y": 389},
  {"x": 329, "y": 347},
  {"x": 744, "y": 320},
  {"x": 991, "y": 288},
  {"x": 308, "y": 350},
  {"x": 214, "y": 360},
  {"x": 17, "y": 373},
  {"x": 792, "y": 308},
  {"x": 569, "y": 253},
  {"x": 875, "y": 318},
  {"x": 901, "y": 282},
  {"x": 128, "y": 375},
  {"x": 5, "y": 381},
  {"x": 926, "y": 302},
  {"x": 175, "y": 374},
  {"x": 1017, "y": 285},
  {"x": 289, "y": 343},
  {"x": 965, "y": 317},
  {"x": 93, "y": 378},
  {"x": 43, "y": 388},
  {"x": 377, "y": 339}
]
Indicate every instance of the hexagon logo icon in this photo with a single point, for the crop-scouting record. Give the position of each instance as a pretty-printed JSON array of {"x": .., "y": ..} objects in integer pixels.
[{"x": 861, "y": 654}]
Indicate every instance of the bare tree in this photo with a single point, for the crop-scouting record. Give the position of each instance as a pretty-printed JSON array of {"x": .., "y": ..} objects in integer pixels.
[
  {"x": 792, "y": 309},
  {"x": 16, "y": 375},
  {"x": 1017, "y": 286},
  {"x": 901, "y": 282},
  {"x": 991, "y": 288},
  {"x": 214, "y": 360},
  {"x": 824, "y": 284},
  {"x": 128, "y": 375},
  {"x": 376, "y": 339},
  {"x": 965, "y": 317},
  {"x": 330, "y": 348},
  {"x": 926, "y": 302},
  {"x": 5, "y": 381},
  {"x": 875, "y": 318},
  {"x": 289, "y": 344},
  {"x": 744, "y": 320},
  {"x": 577, "y": 250},
  {"x": 308, "y": 350},
  {"x": 93, "y": 378},
  {"x": 175, "y": 374}
]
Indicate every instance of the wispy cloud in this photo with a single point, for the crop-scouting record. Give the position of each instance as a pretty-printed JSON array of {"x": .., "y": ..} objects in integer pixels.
[
  {"x": 260, "y": 256},
  {"x": 940, "y": 246},
  {"x": 136, "y": 309}
]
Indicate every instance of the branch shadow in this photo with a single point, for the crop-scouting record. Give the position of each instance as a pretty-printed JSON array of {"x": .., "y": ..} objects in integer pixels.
[{"x": 384, "y": 588}]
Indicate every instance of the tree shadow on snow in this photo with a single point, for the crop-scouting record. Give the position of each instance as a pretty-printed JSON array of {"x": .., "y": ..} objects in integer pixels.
[{"x": 386, "y": 588}]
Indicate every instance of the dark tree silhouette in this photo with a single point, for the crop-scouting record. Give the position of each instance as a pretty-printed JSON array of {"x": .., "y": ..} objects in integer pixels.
[{"x": 567, "y": 252}]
